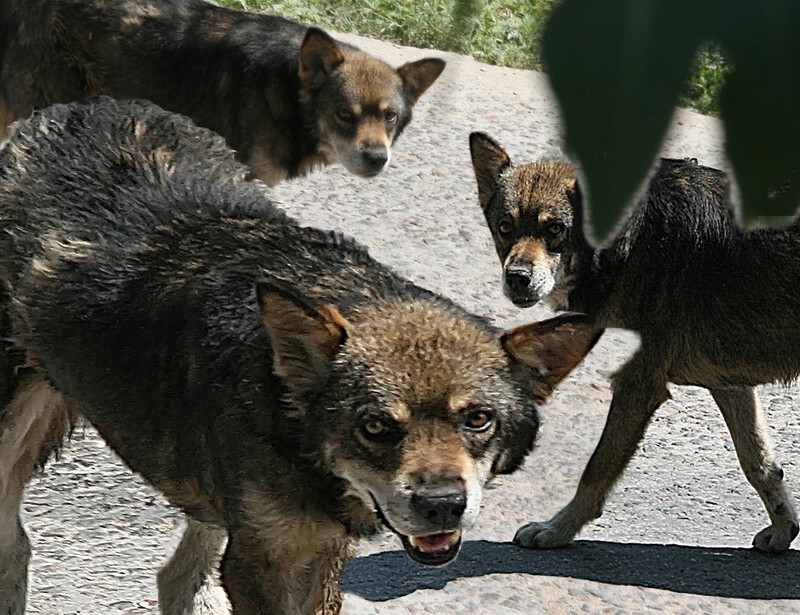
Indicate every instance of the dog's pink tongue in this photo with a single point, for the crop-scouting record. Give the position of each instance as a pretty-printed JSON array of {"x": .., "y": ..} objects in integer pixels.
[{"x": 435, "y": 543}]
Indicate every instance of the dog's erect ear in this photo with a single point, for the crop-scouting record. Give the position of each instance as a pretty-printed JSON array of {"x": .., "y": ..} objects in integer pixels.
[
  {"x": 489, "y": 161},
  {"x": 418, "y": 76},
  {"x": 304, "y": 339},
  {"x": 550, "y": 349},
  {"x": 319, "y": 56}
]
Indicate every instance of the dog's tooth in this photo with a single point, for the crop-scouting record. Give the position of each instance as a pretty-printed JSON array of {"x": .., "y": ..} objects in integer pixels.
[
  {"x": 413, "y": 542},
  {"x": 455, "y": 537}
]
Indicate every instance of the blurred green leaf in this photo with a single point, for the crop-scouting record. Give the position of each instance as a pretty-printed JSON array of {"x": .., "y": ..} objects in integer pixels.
[
  {"x": 760, "y": 105},
  {"x": 619, "y": 66}
]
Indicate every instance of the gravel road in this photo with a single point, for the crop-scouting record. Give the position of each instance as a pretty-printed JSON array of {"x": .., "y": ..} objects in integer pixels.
[{"x": 675, "y": 536}]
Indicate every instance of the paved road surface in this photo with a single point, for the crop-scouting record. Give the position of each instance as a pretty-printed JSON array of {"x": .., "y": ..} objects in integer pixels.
[{"x": 676, "y": 533}]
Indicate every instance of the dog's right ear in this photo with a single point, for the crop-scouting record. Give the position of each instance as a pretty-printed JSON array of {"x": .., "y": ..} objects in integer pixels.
[
  {"x": 489, "y": 161},
  {"x": 550, "y": 349},
  {"x": 419, "y": 76},
  {"x": 304, "y": 338},
  {"x": 319, "y": 56}
]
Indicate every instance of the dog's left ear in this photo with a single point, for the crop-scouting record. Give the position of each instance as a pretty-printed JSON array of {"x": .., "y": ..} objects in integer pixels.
[
  {"x": 489, "y": 160},
  {"x": 551, "y": 349},
  {"x": 419, "y": 76},
  {"x": 319, "y": 56},
  {"x": 304, "y": 338}
]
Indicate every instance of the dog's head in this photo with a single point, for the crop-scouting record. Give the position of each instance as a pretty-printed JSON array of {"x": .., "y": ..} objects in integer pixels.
[
  {"x": 359, "y": 103},
  {"x": 534, "y": 212},
  {"x": 417, "y": 404}
]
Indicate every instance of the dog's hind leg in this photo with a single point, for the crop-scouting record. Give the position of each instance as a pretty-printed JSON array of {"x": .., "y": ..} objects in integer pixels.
[
  {"x": 639, "y": 388},
  {"x": 188, "y": 584},
  {"x": 32, "y": 425},
  {"x": 742, "y": 411}
]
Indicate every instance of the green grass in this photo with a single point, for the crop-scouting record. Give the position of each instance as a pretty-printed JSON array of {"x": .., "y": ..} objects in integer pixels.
[
  {"x": 500, "y": 32},
  {"x": 708, "y": 76}
]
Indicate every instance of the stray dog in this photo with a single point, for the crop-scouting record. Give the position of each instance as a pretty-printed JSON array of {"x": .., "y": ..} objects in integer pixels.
[
  {"x": 278, "y": 385},
  {"x": 286, "y": 97},
  {"x": 715, "y": 306}
]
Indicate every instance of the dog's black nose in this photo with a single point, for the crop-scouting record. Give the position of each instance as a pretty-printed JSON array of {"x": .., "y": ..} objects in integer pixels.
[
  {"x": 518, "y": 280},
  {"x": 375, "y": 159},
  {"x": 443, "y": 505}
]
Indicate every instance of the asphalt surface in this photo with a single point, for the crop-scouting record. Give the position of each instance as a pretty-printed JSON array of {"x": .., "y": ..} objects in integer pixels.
[{"x": 675, "y": 536}]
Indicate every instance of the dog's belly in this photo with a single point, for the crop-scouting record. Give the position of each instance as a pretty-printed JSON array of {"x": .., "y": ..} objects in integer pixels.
[
  {"x": 725, "y": 370},
  {"x": 167, "y": 469}
]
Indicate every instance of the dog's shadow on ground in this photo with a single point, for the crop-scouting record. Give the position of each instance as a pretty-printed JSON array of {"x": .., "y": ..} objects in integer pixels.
[{"x": 724, "y": 572}]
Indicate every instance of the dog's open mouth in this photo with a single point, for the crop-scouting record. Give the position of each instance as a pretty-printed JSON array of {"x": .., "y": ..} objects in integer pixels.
[
  {"x": 431, "y": 549},
  {"x": 434, "y": 549}
]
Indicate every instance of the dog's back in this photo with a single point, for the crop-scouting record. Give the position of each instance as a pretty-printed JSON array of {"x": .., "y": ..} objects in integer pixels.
[{"x": 685, "y": 275}]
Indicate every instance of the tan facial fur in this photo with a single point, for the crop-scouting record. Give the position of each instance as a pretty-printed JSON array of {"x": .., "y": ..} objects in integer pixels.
[
  {"x": 531, "y": 255},
  {"x": 361, "y": 103},
  {"x": 358, "y": 130},
  {"x": 432, "y": 450},
  {"x": 427, "y": 407}
]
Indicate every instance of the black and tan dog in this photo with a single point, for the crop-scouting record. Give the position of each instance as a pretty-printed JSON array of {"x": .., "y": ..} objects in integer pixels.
[
  {"x": 277, "y": 384},
  {"x": 715, "y": 306},
  {"x": 287, "y": 98}
]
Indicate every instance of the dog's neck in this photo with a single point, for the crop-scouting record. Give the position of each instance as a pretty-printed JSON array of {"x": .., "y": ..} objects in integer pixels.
[
  {"x": 595, "y": 287},
  {"x": 582, "y": 281}
]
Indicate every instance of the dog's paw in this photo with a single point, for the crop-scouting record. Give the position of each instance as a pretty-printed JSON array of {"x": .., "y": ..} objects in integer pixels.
[
  {"x": 542, "y": 536},
  {"x": 772, "y": 540}
]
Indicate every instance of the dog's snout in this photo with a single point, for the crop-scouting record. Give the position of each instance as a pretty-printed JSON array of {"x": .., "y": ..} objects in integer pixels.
[
  {"x": 444, "y": 505},
  {"x": 518, "y": 280}
]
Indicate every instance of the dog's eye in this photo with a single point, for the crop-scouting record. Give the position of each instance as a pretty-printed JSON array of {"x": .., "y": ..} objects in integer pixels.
[
  {"x": 390, "y": 117},
  {"x": 479, "y": 420},
  {"x": 505, "y": 227},
  {"x": 375, "y": 428},
  {"x": 554, "y": 229},
  {"x": 345, "y": 115}
]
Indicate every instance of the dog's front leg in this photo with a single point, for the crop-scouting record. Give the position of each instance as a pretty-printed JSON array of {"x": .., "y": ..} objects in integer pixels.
[
  {"x": 254, "y": 586},
  {"x": 639, "y": 388},
  {"x": 742, "y": 411},
  {"x": 324, "y": 572},
  {"x": 188, "y": 583},
  {"x": 260, "y": 582}
]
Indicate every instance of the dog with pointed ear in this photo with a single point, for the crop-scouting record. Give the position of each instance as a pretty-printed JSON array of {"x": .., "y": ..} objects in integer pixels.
[
  {"x": 287, "y": 98},
  {"x": 292, "y": 416},
  {"x": 535, "y": 214}
]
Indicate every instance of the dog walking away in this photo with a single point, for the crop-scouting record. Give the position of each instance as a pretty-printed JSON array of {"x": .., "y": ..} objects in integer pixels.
[
  {"x": 283, "y": 389},
  {"x": 287, "y": 98},
  {"x": 715, "y": 306}
]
